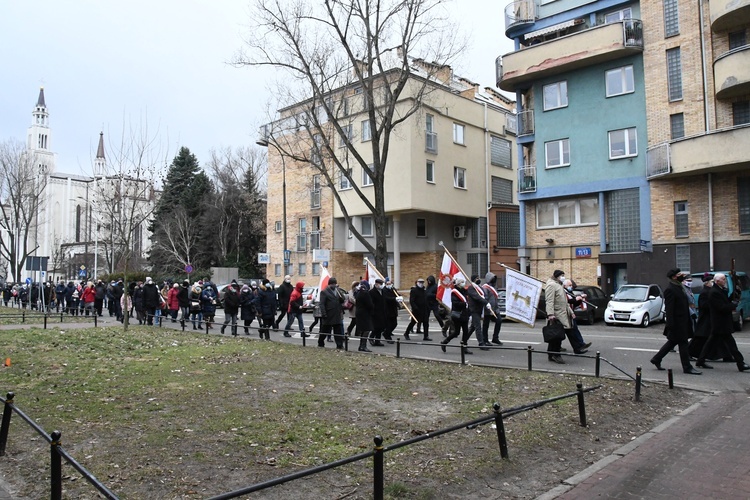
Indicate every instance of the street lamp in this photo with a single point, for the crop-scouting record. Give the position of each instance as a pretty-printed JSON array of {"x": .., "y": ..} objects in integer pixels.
[{"x": 263, "y": 141}]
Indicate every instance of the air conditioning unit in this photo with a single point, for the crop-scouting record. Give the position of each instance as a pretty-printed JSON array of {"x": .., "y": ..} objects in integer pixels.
[{"x": 459, "y": 232}]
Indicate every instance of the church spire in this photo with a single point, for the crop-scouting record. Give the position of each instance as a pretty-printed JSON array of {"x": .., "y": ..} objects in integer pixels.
[
  {"x": 99, "y": 162},
  {"x": 100, "y": 149},
  {"x": 39, "y": 134},
  {"x": 40, "y": 101}
]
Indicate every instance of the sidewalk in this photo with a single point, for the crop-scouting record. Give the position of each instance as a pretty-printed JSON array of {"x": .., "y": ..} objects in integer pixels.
[{"x": 701, "y": 453}]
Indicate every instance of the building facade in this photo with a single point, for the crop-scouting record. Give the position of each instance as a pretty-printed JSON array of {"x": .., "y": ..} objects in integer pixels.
[{"x": 450, "y": 167}]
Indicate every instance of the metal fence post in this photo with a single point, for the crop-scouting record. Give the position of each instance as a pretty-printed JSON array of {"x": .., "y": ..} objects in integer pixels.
[
  {"x": 638, "y": 383},
  {"x": 463, "y": 353},
  {"x": 5, "y": 426},
  {"x": 55, "y": 467},
  {"x": 581, "y": 404},
  {"x": 500, "y": 427},
  {"x": 598, "y": 363},
  {"x": 398, "y": 348},
  {"x": 96, "y": 319},
  {"x": 670, "y": 378},
  {"x": 377, "y": 473},
  {"x": 45, "y": 321},
  {"x": 529, "y": 351}
]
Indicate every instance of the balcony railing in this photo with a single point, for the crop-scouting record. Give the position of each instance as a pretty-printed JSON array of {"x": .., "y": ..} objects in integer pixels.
[
  {"x": 657, "y": 160},
  {"x": 520, "y": 12},
  {"x": 511, "y": 123},
  {"x": 732, "y": 73},
  {"x": 527, "y": 179},
  {"x": 525, "y": 122},
  {"x": 431, "y": 142},
  {"x": 632, "y": 33}
]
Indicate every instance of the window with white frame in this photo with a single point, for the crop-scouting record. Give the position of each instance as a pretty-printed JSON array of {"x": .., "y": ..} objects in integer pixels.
[
  {"x": 277, "y": 226},
  {"x": 430, "y": 134},
  {"x": 622, "y": 143},
  {"x": 302, "y": 269},
  {"x": 367, "y": 226},
  {"x": 366, "y": 179},
  {"x": 430, "y": 171},
  {"x": 459, "y": 177},
  {"x": 315, "y": 192},
  {"x": 620, "y": 81},
  {"x": 316, "y": 156},
  {"x": 566, "y": 213},
  {"x": 421, "y": 228},
  {"x": 618, "y": 15},
  {"x": 458, "y": 133},
  {"x": 277, "y": 269},
  {"x": 557, "y": 153},
  {"x": 346, "y": 134},
  {"x": 366, "y": 131},
  {"x": 555, "y": 95},
  {"x": 316, "y": 268},
  {"x": 344, "y": 182}
]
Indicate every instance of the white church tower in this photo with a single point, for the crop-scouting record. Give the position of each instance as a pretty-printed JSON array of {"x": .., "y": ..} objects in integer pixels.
[
  {"x": 100, "y": 163},
  {"x": 38, "y": 140}
]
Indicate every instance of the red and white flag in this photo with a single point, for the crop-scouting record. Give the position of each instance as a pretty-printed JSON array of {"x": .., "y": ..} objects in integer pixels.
[
  {"x": 371, "y": 273},
  {"x": 324, "y": 277},
  {"x": 448, "y": 272}
]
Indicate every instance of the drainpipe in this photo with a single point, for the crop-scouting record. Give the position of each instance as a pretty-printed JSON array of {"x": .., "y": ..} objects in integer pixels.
[
  {"x": 707, "y": 129},
  {"x": 488, "y": 185}
]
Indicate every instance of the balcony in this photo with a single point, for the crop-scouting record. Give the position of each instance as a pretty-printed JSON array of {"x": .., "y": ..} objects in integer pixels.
[
  {"x": 657, "y": 160},
  {"x": 719, "y": 151},
  {"x": 732, "y": 73},
  {"x": 726, "y": 15},
  {"x": 511, "y": 124},
  {"x": 606, "y": 42},
  {"x": 527, "y": 179},
  {"x": 526, "y": 123},
  {"x": 519, "y": 13}
]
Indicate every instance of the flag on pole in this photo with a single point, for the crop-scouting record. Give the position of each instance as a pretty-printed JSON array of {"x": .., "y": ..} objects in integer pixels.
[
  {"x": 371, "y": 273},
  {"x": 448, "y": 271},
  {"x": 521, "y": 296},
  {"x": 324, "y": 277}
]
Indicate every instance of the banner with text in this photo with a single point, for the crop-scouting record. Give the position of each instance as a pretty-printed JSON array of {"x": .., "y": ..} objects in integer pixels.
[{"x": 521, "y": 296}]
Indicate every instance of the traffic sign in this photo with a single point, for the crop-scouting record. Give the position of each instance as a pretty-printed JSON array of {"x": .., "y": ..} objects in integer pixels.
[
  {"x": 287, "y": 256},
  {"x": 188, "y": 269},
  {"x": 28, "y": 281},
  {"x": 82, "y": 273}
]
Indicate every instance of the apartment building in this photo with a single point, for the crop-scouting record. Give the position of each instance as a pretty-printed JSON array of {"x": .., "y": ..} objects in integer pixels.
[
  {"x": 697, "y": 78},
  {"x": 450, "y": 167},
  {"x": 578, "y": 71}
]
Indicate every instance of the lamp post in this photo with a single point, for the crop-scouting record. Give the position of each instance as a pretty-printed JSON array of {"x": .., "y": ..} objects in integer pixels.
[{"x": 263, "y": 141}]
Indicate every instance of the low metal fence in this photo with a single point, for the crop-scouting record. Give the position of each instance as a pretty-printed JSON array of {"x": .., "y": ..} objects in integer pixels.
[{"x": 30, "y": 316}]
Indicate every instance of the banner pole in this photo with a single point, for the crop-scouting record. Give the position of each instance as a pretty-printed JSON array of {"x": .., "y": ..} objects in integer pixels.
[
  {"x": 369, "y": 265},
  {"x": 466, "y": 276}
]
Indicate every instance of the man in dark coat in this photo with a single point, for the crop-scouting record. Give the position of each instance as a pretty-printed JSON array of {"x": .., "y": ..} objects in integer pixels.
[
  {"x": 679, "y": 327},
  {"x": 266, "y": 306},
  {"x": 722, "y": 325},
  {"x": 118, "y": 289},
  {"x": 231, "y": 307},
  {"x": 365, "y": 309},
  {"x": 150, "y": 300},
  {"x": 393, "y": 303},
  {"x": 432, "y": 301},
  {"x": 331, "y": 314},
  {"x": 378, "y": 313},
  {"x": 100, "y": 291},
  {"x": 284, "y": 293},
  {"x": 418, "y": 303}
]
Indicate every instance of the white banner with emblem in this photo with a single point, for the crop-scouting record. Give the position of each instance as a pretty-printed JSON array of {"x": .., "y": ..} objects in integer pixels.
[{"x": 521, "y": 296}]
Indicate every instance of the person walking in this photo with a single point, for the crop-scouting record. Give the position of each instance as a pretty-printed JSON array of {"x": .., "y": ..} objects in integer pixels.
[
  {"x": 478, "y": 305},
  {"x": 266, "y": 306},
  {"x": 247, "y": 308},
  {"x": 575, "y": 337},
  {"x": 88, "y": 298},
  {"x": 558, "y": 309},
  {"x": 173, "y": 303},
  {"x": 331, "y": 314},
  {"x": 183, "y": 299},
  {"x": 703, "y": 326},
  {"x": 60, "y": 290},
  {"x": 432, "y": 301},
  {"x": 294, "y": 310},
  {"x": 351, "y": 299},
  {"x": 722, "y": 324},
  {"x": 393, "y": 302},
  {"x": 231, "y": 308},
  {"x": 196, "y": 310},
  {"x": 490, "y": 292},
  {"x": 151, "y": 300},
  {"x": 101, "y": 294},
  {"x": 418, "y": 303},
  {"x": 208, "y": 305},
  {"x": 285, "y": 293},
  {"x": 679, "y": 327},
  {"x": 378, "y": 313},
  {"x": 459, "y": 316},
  {"x": 365, "y": 310}
]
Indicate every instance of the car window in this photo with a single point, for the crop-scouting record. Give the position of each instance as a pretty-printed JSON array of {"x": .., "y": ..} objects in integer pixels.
[
  {"x": 631, "y": 293},
  {"x": 654, "y": 291}
]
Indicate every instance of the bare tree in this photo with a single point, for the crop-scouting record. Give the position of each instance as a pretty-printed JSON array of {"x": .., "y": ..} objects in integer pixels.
[
  {"x": 22, "y": 182},
  {"x": 180, "y": 237},
  {"x": 349, "y": 60}
]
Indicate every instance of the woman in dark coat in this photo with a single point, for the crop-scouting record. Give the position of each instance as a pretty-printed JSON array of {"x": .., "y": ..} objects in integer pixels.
[
  {"x": 365, "y": 308},
  {"x": 266, "y": 306},
  {"x": 703, "y": 327},
  {"x": 247, "y": 307},
  {"x": 208, "y": 305}
]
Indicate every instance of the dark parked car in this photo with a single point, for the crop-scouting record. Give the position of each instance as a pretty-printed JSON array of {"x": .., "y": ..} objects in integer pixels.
[{"x": 595, "y": 296}]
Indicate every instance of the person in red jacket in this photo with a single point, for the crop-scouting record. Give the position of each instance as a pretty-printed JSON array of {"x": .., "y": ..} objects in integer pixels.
[
  {"x": 294, "y": 310},
  {"x": 88, "y": 296}
]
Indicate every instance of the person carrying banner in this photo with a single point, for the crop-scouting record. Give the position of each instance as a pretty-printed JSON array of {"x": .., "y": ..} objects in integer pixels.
[
  {"x": 393, "y": 302},
  {"x": 459, "y": 315}
]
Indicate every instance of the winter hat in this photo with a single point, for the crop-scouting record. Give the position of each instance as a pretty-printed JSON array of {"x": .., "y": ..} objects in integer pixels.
[
  {"x": 378, "y": 280},
  {"x": 333, "y": 281},
  {"x": 253, "y": 283},
  {"x": 245, "y": 288},
  {"x": 559, "y": 273},
  {"x": 707, "y": 277},
  {"x": 364, "y": 285},
  {"x": 672, "y": 273}
]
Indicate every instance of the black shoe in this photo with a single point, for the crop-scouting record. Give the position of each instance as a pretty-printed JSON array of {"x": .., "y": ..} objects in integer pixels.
[
  {"x": 557, "y": 359},
  {"x": 406, "y": 336},
  {"x": 693, "y": 371},
  {"x": 563, "y": 349},
  {"x": 581, "y": 351},
  {"x": 743, "y": 367},
  {"x": 303, "y": 334},
  {"x": 195, "y": 327},
  {"x": 657, "y": 364},
  {"x": 390, "y": 341},
  {"x": 586, "y": 345},
  {"x": 443, "y": 344},
  {"x": 496, "y": 342},
  {"x": 287, "y": 334},
  {"x": 371, "y": 341},
  {"x": 275, "y": 326},
  {"x": 704, "y": 366},
  {"x": 467, "y": 351},
  {"x": 364, "y": 349},
  {"x": 224, "y": 328},
  {"x": 427, "y": 339},
  {"x": 484, "y": 347}
]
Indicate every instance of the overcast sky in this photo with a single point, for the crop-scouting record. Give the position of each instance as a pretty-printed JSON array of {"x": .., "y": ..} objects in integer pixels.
[{"x": 103, "y": 63}]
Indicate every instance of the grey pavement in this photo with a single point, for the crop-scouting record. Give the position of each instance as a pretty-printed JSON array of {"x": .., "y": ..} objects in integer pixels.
[{"x": 699, "y": 453}]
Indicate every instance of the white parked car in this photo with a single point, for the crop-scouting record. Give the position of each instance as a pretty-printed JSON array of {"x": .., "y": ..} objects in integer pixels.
[{"x": 635, "y": 305}]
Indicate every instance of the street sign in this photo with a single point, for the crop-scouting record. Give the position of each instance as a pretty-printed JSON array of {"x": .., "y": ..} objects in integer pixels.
[
  {"x": 28, "y": 281},
  {"x": 583, "y": 252},
  {"x": 188, "y": 269},
  {"x": 82, "y": 273},
  {"x": 264, "y": 258},
  {"x": 287, "y": 256}
]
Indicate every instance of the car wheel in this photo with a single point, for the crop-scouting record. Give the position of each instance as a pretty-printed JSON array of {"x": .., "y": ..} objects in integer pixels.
[
  {"x": 740, "y": 321},
  {"x": 590, "y": 318},
  {"x": 645, "y": 321}
]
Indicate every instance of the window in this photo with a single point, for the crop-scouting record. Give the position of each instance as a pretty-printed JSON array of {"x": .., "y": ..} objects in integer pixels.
[
  {"x": 618, "y": 15},
  {"x": 421, "y": 228},
  {"x": 572, "y": 212},
  {"x": 674, "y": 74},
  {"x": 316, "y": 268},
  {"x": 344, "y": 182},
  {"x": 458, "y": 133},
  {"x": 479, "y": 233},
  {"x": 366, "y": 179},
  {"x": 555, "y": 95},
  {"x": 502, "y": 190},
  {"x": 740, "y": 113},
  {"x": 289, "y": 269},
  {"x": 430, "y": 171},
  {"x": 346, "y": 131},
  {"x": 459, "y": 177},
  {"x": 315, "y": 154},
  {"x": 302, "y": 269},
  {"x": 366, "y": 132},
  {"x": 622, "y": 143},
  {"x": 737, "y": 39},
  {"x": 671, "y": 18},
  {"x": 367, "y": 225},
  {"x": 430, "y": 134},
  {"x": 620, "y": 81},
  {"x": 557, "y": 153},
  {"x": 682, "y": 256},
  {"x": 478, "y": 263},
  {"x": 500, "y": 152},
  {"x": 315, "y": 192},
  {"x": 316, "y": 223},
  {"x": 743, "y": 204},
  {"x": 277, "y": 269},
  {"x": 681, "y": 219},
  {"x": 508, "y": 230},
  {"x": 302, "y": 236},
  {"x": 320, "y": 112},
  {"x": 277, "y": 226},
  {"x": 677, "y": 125}
]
